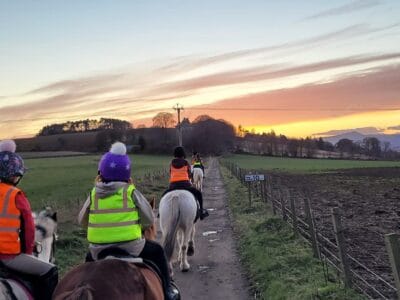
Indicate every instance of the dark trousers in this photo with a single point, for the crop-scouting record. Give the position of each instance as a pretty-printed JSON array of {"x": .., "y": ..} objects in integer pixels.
[
  {"x": 186, "y": 185},
  {"x": 155, "y": 253}
]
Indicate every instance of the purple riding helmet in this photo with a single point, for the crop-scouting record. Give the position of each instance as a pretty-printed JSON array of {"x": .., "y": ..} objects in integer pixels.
[{"x": 115, "y": 165}]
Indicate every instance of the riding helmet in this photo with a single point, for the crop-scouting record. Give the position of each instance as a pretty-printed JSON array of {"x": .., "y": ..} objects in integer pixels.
[
  {"x": 11, "y": 164},
  {"x": 179, "y": 152}
]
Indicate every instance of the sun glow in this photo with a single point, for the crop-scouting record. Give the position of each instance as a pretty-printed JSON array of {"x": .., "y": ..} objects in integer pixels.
[{"x": 378, "y": 119}]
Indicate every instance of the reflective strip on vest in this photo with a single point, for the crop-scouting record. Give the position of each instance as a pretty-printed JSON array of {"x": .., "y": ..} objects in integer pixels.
[
  {"x": 114, "y": 218},
  {"x": 197, "y": 164},
  {"x": 179, "y": 174},
  {"x": 10, "y": 222}
]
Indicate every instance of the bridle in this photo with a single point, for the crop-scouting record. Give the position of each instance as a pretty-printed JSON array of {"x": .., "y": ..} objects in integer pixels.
[{"x": 38, "y": 247}]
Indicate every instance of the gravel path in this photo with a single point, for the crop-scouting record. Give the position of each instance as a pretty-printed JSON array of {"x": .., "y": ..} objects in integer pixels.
[{"x": 215, "y": 268}]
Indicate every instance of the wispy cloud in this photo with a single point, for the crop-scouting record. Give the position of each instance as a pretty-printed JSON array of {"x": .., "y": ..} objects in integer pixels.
[
  {"x": 270, "y": 72},
  {"x": 353, "y": 6},
  {"x": 377, "y": 90},
  {"x": 394, "y": 127},
  {"x": 362, "y": 130}
]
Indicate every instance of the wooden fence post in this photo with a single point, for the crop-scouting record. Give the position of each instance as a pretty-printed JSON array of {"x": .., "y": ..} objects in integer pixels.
[
  {"x": 337, "y": 227},
  {"x": 311, "y": 227},
  {"x": 392, "y": 242},
  {"x": 282, "y": 200},
  {"x": 249, "y": 188},
  {"x": 294, "y": 216},
  {"x": 264, "y": 190}
]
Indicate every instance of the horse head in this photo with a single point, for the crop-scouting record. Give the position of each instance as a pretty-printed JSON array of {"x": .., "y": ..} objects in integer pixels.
[{"x": 45, "y": 234}]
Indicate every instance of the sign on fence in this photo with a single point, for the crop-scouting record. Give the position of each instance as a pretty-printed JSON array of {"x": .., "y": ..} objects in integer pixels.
[{"x": 254, "y": 177}]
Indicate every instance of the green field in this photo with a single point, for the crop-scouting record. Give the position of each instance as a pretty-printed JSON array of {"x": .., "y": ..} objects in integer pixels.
[
  {"x": 64, "y": 183},
  {"x": 302, "y": 164}
]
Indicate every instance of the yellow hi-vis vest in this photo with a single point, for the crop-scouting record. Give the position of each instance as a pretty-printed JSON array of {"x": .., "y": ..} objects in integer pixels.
[
  {"x": 115, "y": 218},
  {"x": 197, "y": 163}
]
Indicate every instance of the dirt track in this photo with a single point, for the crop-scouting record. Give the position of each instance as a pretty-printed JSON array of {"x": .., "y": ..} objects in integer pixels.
[{"x": 215, "y": 269}]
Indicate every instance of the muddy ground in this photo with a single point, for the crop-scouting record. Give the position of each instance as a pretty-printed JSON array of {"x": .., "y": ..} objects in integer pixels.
[
  {"x": 215, "y": 267},
  {"x": 369, "y": 201}
]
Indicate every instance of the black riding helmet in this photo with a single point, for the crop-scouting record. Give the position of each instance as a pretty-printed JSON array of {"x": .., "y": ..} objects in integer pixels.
[{"x": 179, "y": 152}]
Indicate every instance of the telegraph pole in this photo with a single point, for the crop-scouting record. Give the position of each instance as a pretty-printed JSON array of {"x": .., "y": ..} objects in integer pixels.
[{"x": 178, "y": 108}]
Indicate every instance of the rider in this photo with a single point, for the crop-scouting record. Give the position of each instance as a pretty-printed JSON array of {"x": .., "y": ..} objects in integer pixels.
[
  {"x": 115, "y": 213},
  {"x": 180, "y": 176},
  {"x": 197, "y": 162},
  {"x": 17, "y": 229}
]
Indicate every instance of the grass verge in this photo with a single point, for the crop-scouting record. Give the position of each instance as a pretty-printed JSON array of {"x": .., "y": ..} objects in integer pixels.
[{"x": 279, "y": 265}]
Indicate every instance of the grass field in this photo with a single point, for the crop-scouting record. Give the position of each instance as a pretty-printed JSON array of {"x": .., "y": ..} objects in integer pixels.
[
  {"x": 64, "y": 183},
  {"x": 279, "y": 265},
  {"x": 303, "y": 165}
]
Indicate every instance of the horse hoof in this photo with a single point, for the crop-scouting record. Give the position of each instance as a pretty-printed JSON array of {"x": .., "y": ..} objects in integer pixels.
[
  {"x": 190, "y": 251},
  {"x": 185, "y": 270}
]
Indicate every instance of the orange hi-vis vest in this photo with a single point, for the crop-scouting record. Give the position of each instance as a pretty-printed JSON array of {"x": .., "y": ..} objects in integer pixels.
[
  {"x": 179, "y": 174},
  {"x": 10, "y": 220}
]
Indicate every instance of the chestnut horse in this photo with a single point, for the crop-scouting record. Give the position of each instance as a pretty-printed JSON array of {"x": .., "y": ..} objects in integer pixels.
[{"x": 112, "y": 279}]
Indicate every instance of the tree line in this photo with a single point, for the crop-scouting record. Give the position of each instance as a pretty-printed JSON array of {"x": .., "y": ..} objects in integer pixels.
[
  {"x": 85, "y": 126},
  {"x": 280, "y": 145},
  {"x": 209, "y": 136}
]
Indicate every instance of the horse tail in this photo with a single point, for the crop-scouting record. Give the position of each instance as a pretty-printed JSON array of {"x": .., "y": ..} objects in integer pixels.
[
  {"x": 170, "y": 237},
  {"x": 83, "y": 292}
]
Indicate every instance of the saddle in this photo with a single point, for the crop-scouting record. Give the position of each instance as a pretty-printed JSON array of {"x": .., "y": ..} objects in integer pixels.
[{"x": 120, "y": 254}]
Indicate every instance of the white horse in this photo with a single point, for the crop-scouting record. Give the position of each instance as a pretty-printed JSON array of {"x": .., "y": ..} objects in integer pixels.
[
  {"x": 198, "y": 178},
  {"x": 178, "y": 210},
  {"x": 45, "y": 237}
]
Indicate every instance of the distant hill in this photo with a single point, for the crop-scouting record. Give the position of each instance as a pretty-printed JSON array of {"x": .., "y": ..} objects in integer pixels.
[{"x": 355, "y": 136}]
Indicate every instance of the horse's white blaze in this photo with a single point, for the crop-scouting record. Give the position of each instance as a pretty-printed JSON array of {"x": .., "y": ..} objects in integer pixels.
[
  {"x": 177, "y": 213},
  {"x": 198, "y": 178}
]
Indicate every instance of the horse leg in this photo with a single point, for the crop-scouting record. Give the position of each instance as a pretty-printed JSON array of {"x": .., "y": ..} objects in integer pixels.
[
  {"x": 184, "y": 265},
  {"x": 180, "y": 242},
  {"x": 190, "y": 250}
]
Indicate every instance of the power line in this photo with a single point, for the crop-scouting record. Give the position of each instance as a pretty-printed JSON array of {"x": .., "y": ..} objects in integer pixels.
[{"x": 290, "y": 109}]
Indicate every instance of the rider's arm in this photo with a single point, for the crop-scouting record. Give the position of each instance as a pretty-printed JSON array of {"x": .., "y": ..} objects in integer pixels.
[
  {"x": 145, "y": 210},
  {"x": 28, "y": 226},
  {"x": 83, "y": 217}
]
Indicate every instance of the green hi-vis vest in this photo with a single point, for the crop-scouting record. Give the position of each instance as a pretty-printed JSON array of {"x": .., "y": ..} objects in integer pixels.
[{"x": 114, "y": 218}]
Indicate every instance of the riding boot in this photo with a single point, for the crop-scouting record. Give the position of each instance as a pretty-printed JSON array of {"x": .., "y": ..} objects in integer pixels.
[
  {"x": 172, "y": 292},
  {"x": 155, "y": 253},
  {"x": 45, "y": 284}
]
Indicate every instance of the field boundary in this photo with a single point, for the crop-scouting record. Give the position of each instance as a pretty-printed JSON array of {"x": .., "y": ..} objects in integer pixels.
[{"x": 333, "y": 252}]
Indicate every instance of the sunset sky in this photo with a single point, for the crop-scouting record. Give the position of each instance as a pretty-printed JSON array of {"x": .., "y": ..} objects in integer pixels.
[{"x": 298, "y": 67}]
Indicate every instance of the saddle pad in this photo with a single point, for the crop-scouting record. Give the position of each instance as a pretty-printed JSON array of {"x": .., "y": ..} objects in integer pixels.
[
  {"x": 19, "y": 290},
  {"x": 135, "y": 260}
]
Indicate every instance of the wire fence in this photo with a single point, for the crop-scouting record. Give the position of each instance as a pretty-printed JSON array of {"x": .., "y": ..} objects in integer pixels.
[{"x": 333, "y": 252}]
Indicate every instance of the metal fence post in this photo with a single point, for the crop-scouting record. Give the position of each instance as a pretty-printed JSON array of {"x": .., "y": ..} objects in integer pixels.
[
  {"x": 392, "y": 242},
  {"x": 310, "y": 222},
  {"x": 337, "y": 227}
]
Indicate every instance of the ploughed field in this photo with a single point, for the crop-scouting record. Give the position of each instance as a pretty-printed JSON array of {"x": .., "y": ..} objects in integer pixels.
[
  {"x": 367, "y": 193},
  {"x": 64, "y": 184}
]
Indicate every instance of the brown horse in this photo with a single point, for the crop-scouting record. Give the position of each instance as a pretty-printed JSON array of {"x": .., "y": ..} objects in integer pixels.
[{"x": 111, "y": 279}]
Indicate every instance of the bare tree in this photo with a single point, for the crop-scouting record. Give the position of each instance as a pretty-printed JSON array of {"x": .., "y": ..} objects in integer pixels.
[{"x": 163, "y": 120}]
